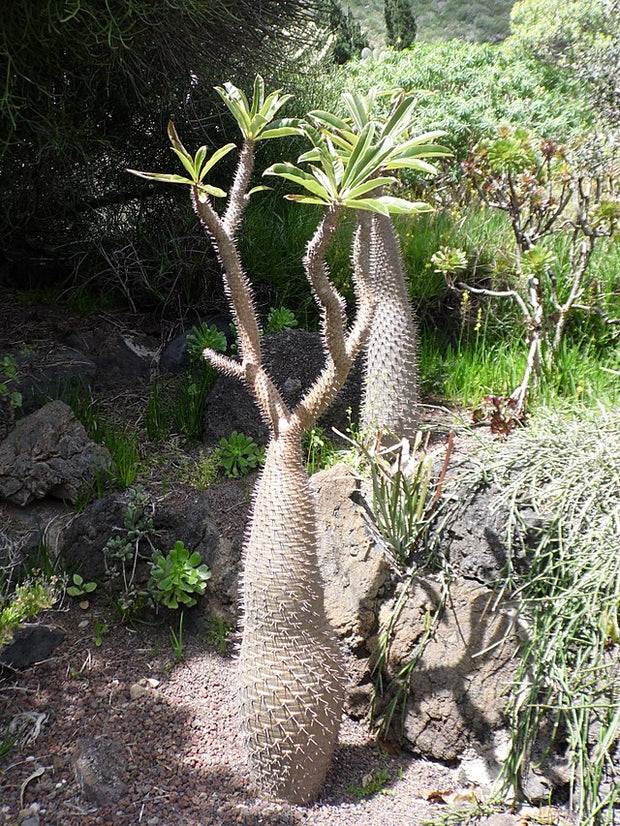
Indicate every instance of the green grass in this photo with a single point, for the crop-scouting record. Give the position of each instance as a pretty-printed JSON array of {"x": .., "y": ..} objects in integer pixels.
[{"x": 464, "y": 373}]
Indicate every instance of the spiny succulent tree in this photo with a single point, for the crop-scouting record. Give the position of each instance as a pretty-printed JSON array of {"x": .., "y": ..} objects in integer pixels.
[
  {"x": 290, "y": 671},
  {"x": 390, "y": 401}
]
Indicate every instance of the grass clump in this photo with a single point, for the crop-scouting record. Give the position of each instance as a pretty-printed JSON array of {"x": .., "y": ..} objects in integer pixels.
[{"x": 566, "y": 467}]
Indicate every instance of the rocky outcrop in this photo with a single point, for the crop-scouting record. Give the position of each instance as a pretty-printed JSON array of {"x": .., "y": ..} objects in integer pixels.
[
  {"x": 356, "y": 573},
  {"x": 81, "y": 544},
  {"x": 49, "y": 454},
  {"x": 30, "y": 644}
]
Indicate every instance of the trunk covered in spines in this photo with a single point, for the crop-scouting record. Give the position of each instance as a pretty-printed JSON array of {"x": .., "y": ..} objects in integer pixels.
[
  {"x": 390, "y": 402},
  {"x": 290, "y": 665}
]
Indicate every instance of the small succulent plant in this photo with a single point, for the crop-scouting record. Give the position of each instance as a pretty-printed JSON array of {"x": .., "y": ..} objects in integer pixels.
[{"x": 179, "y": 575}]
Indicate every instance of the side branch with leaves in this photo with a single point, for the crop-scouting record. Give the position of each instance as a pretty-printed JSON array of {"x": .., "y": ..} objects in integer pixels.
[{"x": 544, "y": 194}]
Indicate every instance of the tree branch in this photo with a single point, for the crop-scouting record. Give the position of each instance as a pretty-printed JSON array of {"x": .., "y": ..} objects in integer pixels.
[
  {"x": 498, "y": 294},
  {"x": 237, "y": 196}
]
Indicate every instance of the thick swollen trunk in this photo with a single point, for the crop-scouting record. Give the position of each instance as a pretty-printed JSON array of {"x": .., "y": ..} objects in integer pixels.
[
  {"x": 391, "y": 377},
  {"x": 290, "y": 667}
]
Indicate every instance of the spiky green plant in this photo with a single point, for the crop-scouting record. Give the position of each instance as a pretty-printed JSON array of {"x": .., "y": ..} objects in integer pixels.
[
  {"x": 290, "y": 672},
  {"x": 390, "y": 401}
]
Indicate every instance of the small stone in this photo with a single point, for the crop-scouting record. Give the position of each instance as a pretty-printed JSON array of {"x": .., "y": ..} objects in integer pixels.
[
  {"x": 136, "y": 691},
  {"x": 499, "y": 819}
]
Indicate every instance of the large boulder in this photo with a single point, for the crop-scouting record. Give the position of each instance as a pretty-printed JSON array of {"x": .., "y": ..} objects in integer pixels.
[
  {"x": 355, "y": 572},
  {"x": 293, "y": 359},
  {"x": 457, "y": 689},
  {"x": 121, "y": 359},
  {"x": 49, "y": 454},
  {"x": 356, "y": 575},
  {"x": 30, "y": 644}
]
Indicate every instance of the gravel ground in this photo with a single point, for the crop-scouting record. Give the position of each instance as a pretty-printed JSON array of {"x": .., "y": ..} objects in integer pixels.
[
  {"x": 180, "y": 758},
  {"x": 178, "y": 753}
]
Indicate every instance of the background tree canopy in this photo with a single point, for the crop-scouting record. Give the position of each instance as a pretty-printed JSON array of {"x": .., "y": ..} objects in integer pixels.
[
  {"x": 87, "y": 90},
  {"x": 581, "y": 35}
]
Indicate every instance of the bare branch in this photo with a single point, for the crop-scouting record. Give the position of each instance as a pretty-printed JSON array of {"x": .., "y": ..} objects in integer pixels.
[
  {"x": 598, "y": 311},
  {"x": 332, "y": 304},
  {"x": 341, "y": 349},
  {"x": 272, "y": 407},
  {"x": 498, "y": 294},
  {"x": 224, "y": 364},
  {"x": 236, "y": 285}
]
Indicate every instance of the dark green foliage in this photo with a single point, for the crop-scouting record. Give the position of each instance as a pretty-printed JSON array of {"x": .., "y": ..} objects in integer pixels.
[
  {"x": 349, "y": 39},
  {"x": 86, "y": 90},
  {"x": 468, "y": 89},
  {"x": 400, "y": 25}
]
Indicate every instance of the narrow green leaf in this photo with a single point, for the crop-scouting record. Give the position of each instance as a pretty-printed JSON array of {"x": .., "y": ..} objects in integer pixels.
[
  {"x": 370, "y": 163},
  {"x": 235, "y": 93},
  {"x": 426, "y": 137},
  {"x": 314, "y": 135},
  {"x": 187, "y": 162},
  {"x": 330, "y": 120},
  {"x": 298, "y": 176},
  {"x": 234, "y": 99},
  {"x": 215, "y": 157},
  {"x": 201, "y": 154},
  {"x": 402, "y": 206},
  {"x": 273, "y": 104},
  {"x": 259, "y": 95},
  {"x": 161, "y": 176},
  {"x": 345, "y": 141},
  {"x": 411, "y": 163},
  {"x": 425, "y": 150},
  {"x": 369, "y": 204},
  {"x": 175, "y": 140},
  {"x": 259, "y": 189},
  {"x": 282, "y": 128},
  {"x": 400, "y": 119},
  {"x": 327, "y": 180},
  {"x": 207, "y": 189},
  {"x": 311, "y": 156},
  {"x": 257, "y": 124},
  {"x": 368, "y": 186},
  {"x": 306, "y": 199},
  {"x": 363, "y": 142},
  {"x": 358, "y": 108}
]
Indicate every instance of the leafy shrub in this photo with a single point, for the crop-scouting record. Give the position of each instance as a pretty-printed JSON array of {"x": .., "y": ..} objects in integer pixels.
[
  {"x": 202, "y": 336},
  {"x": 469, "y": 89},
  {"x": 27, "y": 601},
  {"x": 8, "y": 376}
]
